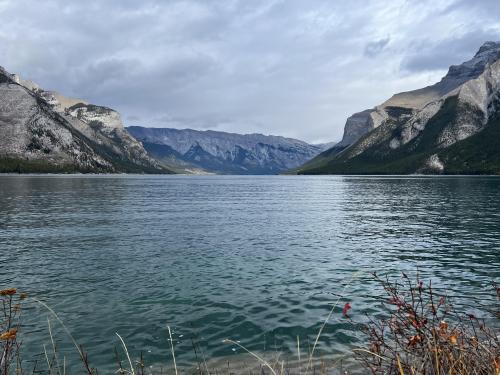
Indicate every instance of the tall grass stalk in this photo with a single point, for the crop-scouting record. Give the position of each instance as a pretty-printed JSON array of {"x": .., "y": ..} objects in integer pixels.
[
  {"x": 260, "y": 359},
  {"x": 53, "y": 347},
  {"x": 126, "y": 353},
  {"x": 172, "y": 347}
]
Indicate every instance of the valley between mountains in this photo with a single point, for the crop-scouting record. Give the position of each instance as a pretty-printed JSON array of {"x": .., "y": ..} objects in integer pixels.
[{"x": 451, "y": 127}]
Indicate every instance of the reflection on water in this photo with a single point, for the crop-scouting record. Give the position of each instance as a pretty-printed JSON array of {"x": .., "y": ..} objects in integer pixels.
[{"x": 256, "y": 259}]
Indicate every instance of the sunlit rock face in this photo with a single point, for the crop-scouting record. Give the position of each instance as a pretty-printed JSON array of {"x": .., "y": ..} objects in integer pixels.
[
  {"x": 471, "y": 79},
  {"x": 44, "y": 131},
  {"x": 412, "y": 123},
  {"x": 103, "y": 116}
]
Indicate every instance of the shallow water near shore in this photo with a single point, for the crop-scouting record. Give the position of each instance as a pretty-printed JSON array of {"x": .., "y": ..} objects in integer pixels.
[{"x": 257, "y": 259}]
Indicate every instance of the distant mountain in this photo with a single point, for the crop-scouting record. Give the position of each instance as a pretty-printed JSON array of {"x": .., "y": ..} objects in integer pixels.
[
  {"x": 43, "y": 131},
  {"x": 226, "y": 153},
  {"x": 452, "y": 127}
]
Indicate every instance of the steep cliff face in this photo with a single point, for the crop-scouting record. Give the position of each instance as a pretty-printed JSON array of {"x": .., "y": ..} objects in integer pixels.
[
  {"x": 220, "y": 152},
  {"x": 100, "y": 117},
  {"x": 363, "y": 122},
  {"x": 409, "y": 132},
  {"x": 40, "y": 132},
  {"x": 355, "y": 127}
]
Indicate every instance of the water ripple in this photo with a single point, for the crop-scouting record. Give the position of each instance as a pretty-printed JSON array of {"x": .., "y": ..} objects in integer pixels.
[{"x": 255, "y": 259}]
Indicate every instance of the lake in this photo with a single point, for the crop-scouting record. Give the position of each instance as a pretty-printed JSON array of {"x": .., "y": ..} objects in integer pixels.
[{"x": 258, "y": 259}]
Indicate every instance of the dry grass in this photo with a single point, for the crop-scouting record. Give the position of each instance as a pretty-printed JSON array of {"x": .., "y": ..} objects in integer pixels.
[{"x": 421, "y": 333}]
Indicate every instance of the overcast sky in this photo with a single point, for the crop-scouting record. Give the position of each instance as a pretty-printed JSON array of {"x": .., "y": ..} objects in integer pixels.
[{"x": 296, "y": 68}]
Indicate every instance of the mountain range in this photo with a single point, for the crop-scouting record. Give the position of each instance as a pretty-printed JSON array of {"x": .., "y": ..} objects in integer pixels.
[
  {"x": 451, "y": 127},
  {"x": 197, "y": 151},
  {"x": 43, "y": 131}
]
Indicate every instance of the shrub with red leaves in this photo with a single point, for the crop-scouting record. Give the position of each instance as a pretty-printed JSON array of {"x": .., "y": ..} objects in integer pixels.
[{"x": 422, "y": 336}]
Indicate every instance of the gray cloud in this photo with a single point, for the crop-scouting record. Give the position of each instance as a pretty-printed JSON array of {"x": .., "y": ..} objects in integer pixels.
[
  {"x": 374, "y": 48},
  {"x": 291, "y": 67},
  {"x": 487, "y": 10}
]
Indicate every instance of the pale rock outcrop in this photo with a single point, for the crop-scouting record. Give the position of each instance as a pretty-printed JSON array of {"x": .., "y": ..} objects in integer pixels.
[
  {"x": 30, "y": 85},
  {"x": 416, "y": 124},
  {"x": 434, "y": 164},
  {"x": 476, "y": 96},
  {"x": 356, "y": 126},
  {"x": 91, "y": 114},
  {"x": 58, "y": 102}
]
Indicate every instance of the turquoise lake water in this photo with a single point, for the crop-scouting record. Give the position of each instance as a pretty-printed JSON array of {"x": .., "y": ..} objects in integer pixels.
[{"x": 259, "y": 259}]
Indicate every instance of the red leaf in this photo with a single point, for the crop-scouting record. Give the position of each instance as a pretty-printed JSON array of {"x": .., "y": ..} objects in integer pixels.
[{"x": 346, "y": 308}]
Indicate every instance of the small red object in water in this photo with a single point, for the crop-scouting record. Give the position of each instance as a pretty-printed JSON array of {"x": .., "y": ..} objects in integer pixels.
[{"x": 346, "y": 308}]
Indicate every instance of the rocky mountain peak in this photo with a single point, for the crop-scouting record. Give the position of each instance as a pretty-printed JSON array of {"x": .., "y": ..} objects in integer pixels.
[
  {"x": 488, "y": 47},
  {"x": 44, "y": 131},
  {"x": 427, "y": 130},
  {"x": 103, "y": 118},
  {"x": 488, "y": 53}
]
